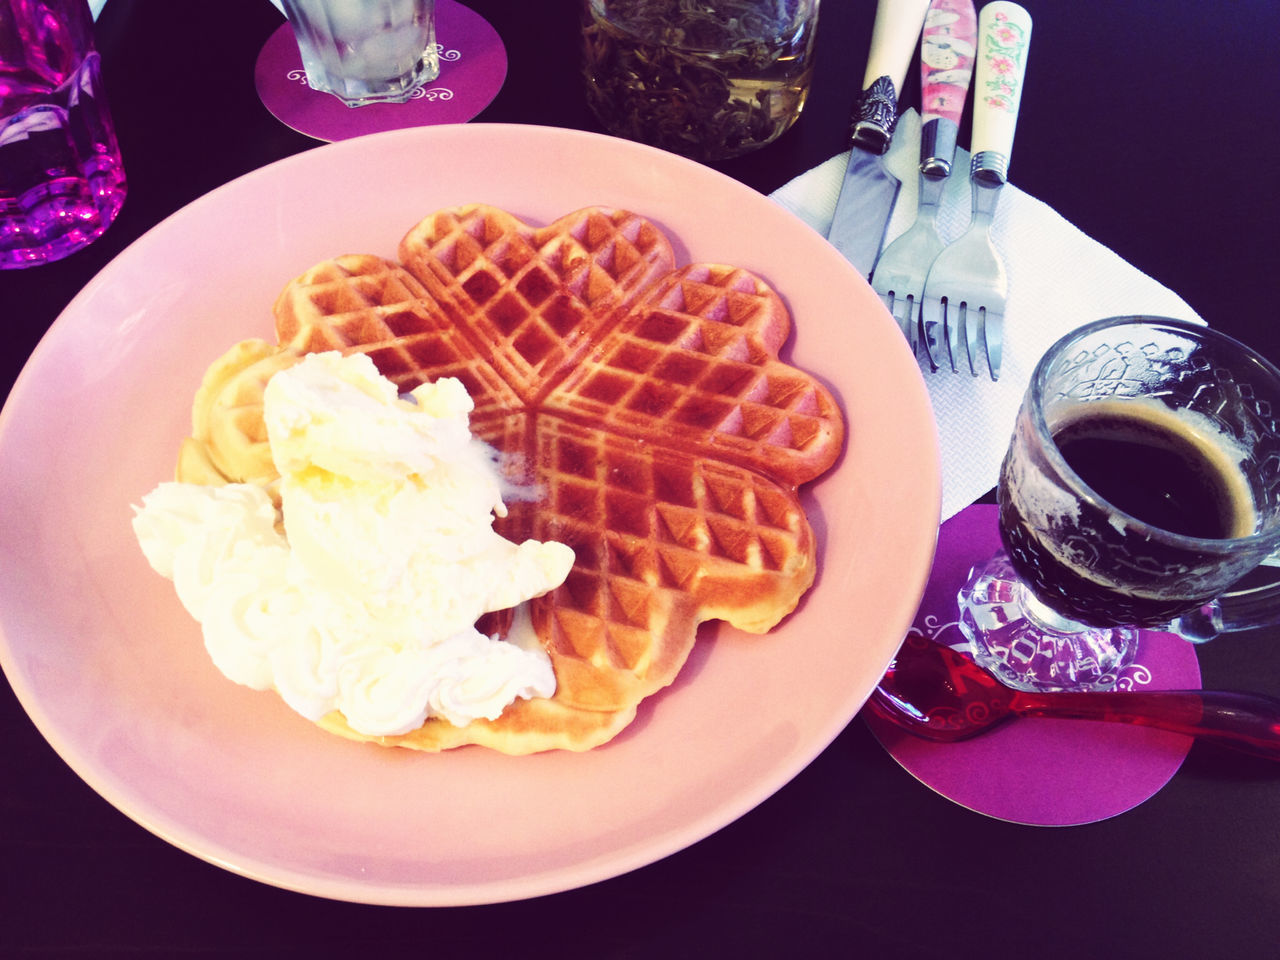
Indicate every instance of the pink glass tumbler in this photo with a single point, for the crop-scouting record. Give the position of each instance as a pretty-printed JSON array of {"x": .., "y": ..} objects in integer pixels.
[{"x": 61, "y": 178}]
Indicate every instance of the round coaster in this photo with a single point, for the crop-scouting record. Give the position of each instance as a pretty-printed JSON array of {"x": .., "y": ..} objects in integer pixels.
[
  {"x": 1036, "y": 771},
  {"x": 473, "y": 66}
]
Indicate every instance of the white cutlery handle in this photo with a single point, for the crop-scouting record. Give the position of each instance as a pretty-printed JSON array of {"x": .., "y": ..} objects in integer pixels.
[
  {"x": 1004, "y": 33},
  {"x": 893, "y": 41}
]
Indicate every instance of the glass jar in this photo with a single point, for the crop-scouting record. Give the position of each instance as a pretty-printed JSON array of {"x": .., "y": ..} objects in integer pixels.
[{"x": 709, "y": 79}]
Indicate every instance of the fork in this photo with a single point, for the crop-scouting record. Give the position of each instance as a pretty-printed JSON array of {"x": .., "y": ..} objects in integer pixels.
[
  {"x": 946, "y": 65},
  {"x": 967, "y": 287}
]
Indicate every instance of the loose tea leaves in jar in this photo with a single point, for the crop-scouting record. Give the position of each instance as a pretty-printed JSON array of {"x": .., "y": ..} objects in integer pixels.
[{"x": 709, "y": 79}]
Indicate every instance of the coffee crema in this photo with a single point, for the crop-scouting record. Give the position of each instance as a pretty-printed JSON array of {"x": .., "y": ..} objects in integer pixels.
[
  {"x": 1159, "y": 466},
  {"x": 1172, "y": 470}
]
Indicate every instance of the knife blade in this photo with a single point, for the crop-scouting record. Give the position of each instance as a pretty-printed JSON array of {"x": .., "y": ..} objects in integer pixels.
[{"x": 869, "y": 190}]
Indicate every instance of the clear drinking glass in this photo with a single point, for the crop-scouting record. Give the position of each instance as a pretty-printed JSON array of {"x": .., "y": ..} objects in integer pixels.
[
  {"x": 709, "y": 80},
  {"x": 1141, "y": 483},
  {"x": 61, "y": 176},
  {"x": 366, "y": 51}
]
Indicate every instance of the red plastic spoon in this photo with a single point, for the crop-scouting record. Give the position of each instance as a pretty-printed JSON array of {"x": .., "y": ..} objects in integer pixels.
[{"x": 940, "y": 694}]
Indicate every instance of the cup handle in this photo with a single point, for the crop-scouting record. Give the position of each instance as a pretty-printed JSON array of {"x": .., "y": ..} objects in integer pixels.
[{"x": 1237, "y": 610}]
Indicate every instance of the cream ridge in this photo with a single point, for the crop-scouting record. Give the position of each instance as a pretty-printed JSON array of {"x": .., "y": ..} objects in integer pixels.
[{"x": 366, "y": 603}]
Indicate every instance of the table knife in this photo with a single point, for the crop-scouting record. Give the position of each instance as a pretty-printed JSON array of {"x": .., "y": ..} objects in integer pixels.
[{"x": 869, "y": 190}]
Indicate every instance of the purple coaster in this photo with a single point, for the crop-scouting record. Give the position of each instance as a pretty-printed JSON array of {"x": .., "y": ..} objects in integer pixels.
[
  {"x": 1039, "y": 771},
  {"x": 473, "y": 65}
]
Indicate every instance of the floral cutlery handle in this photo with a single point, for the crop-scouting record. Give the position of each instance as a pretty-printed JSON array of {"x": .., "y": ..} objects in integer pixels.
[{"x": 1004, "y": 32}]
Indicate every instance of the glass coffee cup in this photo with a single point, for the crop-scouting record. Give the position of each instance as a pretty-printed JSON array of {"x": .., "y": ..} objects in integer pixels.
[{"x": 1142, "y": 482}]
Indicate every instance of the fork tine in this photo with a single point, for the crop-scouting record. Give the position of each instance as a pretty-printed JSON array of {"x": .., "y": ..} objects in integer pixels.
[
  {"x": 902, "y": 313},
  {"x": 930, "y": 324},
  {"x": 953, "y": 313},
  {"x": 894, "y": 304},
  {"x": 899, "y": 278},
  {"x": 993, "y": 338},
  {"x": 911, "y": 323},
  {"x": 975, "y": 329}
]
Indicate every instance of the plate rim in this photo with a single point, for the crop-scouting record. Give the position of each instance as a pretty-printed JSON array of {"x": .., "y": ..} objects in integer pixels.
[{"x": 535, "y": 884}]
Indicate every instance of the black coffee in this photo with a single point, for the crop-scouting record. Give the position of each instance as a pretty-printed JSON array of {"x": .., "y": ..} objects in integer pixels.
[
  {"x": 1158, "y": 475},
  {"x": 1142, "y": 458}
]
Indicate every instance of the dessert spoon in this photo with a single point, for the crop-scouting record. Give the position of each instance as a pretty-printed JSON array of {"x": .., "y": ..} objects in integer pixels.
[{"x": 939, "y": 693}]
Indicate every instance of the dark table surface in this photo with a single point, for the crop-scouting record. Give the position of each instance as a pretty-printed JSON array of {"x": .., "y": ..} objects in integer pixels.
[{"x": 1149, "y": 125}]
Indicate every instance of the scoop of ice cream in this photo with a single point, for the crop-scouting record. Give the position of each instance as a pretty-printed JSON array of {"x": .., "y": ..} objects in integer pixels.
[{"x": 367, "y": 603}]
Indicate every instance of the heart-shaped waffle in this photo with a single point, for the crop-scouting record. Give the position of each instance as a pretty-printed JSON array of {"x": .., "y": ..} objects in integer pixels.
[
  {"x": 644, "y": 406},
  {"x": 533, "y": 300},
  {"x": 694, "y": 365},
  {"x": 365, "y": 304}
]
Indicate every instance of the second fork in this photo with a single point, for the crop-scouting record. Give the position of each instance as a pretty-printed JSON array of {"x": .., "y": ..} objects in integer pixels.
[
  {"x": 947, "y": 48},
  {"x": 967, "y": 288}
]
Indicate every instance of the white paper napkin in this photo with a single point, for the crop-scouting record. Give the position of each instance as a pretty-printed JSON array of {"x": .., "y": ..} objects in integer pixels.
[{"x": 1059, "y": 279}]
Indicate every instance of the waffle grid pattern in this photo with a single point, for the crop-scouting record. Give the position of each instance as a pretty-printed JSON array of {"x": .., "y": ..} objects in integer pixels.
[
  {"x": 643, "y": 408},
  {"x": 362, "y": 303},
  {"x": 533, "y": 300},
  {"x": 699, "y": 354}
]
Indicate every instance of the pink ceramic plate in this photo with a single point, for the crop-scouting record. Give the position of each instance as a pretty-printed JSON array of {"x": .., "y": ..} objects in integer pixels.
[{"x": 113, "y": 673}]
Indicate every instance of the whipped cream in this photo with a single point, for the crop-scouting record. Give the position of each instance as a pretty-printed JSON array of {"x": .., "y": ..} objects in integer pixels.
[{"x": 366, "y": 602}]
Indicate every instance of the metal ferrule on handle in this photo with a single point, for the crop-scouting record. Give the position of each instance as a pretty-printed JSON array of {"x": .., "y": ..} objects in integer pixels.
[
  {"x": 893, "y": 38},
  {"x": 986, "y": 195},
  {"x": 990, "y": 167},
  {"x": 874, "y": 117},
  {"x": 938, "y": 148},
  {"x": 948, "y": 45}
]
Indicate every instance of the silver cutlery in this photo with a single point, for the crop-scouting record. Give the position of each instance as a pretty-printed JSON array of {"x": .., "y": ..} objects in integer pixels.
[
  {"x": 946, "y": 65},
  {"x": 869, "y": 190},
  {"x": 967, "y": 288}
]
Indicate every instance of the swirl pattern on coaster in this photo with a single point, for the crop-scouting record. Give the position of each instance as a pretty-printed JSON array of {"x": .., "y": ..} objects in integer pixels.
[
  {"x": 1041, "y": 772},
  {"x": 473, "y": 68}
]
